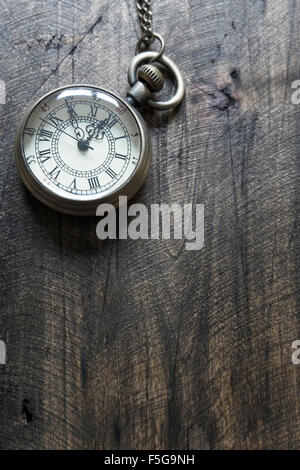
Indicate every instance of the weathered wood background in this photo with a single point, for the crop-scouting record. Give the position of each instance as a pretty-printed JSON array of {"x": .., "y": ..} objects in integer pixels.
[{"x": 142, "y": 344}]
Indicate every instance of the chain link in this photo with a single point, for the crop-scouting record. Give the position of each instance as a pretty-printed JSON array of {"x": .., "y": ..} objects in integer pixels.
[
  {"x": 145, "y": 17},
  {"x": 148, "y": 36},
  {"x": 138, "y": 90}
]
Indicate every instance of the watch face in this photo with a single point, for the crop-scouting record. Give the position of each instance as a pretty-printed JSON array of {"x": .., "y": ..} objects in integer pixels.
[{"x": 81, "y": 143}]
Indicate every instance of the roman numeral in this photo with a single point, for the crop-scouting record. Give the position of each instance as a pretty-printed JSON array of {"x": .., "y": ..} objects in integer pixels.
[
  {"x": 73, "y": 184},
  {"x": 94, "y": 182},
  {"x": 93, "y": 111},
  {"x": 55, "y": 172},
  {"x": 71, "y": 109},
  {"x": 122, "y": 157},
  {"x": 45, "y": 135},
  {"x": 55, "y": 121},
  {"x": 45, "y": 155},
  {"x": 111, "y": 173},
  {"x": 110, "y": 121}
]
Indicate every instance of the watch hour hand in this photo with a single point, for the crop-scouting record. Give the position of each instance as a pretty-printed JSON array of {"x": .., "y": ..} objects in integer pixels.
[
  {"x": 71, "y": 111},
  {"x": 93, "y": 130},
  {"x": 79, "y": 133},
  {"x": 73, "y": 116}
]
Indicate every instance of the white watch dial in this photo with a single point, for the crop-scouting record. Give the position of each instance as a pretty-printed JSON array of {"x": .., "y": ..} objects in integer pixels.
[{"x": 81, "y": 143}]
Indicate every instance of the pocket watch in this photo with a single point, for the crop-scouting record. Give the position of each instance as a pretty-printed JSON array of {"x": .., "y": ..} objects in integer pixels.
[{"x": 82, "y": 145}]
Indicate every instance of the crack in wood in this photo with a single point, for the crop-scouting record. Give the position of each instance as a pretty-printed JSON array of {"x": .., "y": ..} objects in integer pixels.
[{"x": 27, "y": 416}]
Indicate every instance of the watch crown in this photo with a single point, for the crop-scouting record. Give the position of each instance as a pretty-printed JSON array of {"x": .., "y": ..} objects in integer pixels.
[{"x": 152, "y": 76}]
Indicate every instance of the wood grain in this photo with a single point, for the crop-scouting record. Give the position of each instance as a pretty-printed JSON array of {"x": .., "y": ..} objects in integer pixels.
[{"x": 142, "y": 344}]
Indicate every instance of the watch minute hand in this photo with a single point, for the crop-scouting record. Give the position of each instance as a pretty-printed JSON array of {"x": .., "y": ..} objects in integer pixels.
[{"x": 64, "y": 132}]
